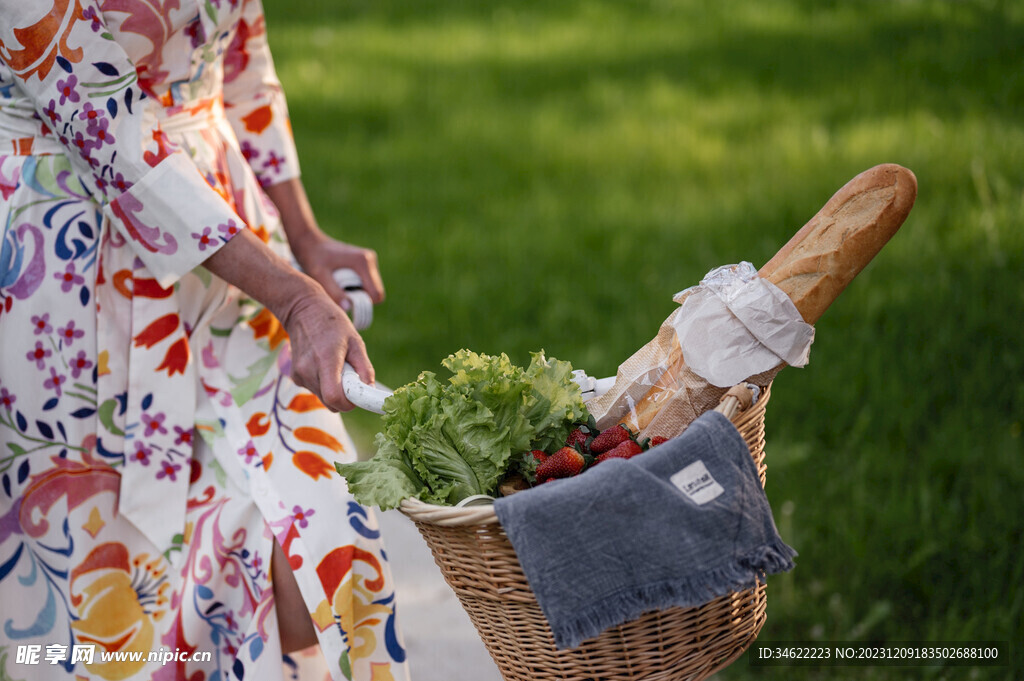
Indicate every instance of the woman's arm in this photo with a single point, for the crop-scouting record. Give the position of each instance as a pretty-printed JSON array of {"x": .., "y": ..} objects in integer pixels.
[
  {"x": 318, "y": 254},
  {"x": 322, "y": 337},
  {"x": 258, "y": 113}
]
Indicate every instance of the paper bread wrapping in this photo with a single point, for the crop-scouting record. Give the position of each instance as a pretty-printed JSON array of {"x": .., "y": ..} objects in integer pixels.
[{"x": 657, "y": 393}]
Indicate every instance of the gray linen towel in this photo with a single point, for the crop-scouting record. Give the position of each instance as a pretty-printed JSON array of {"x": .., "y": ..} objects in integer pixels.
[{"x": 678, "y": 525}]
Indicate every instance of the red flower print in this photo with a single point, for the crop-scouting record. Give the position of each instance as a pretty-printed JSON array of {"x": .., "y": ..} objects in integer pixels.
[
  {"x": 55, "y": 381},
  {"x": 79, "y": 364},
  {"x": 98, "y": 128},
  {"x": 249, "y": 152},
  {"x": 90, "y": 14},
  {"x": 69, "y": 333},
  {"x": 141, "y": 453},
  {"x": 39, "y": 355},
  {"x": 52, "y": 114},
  {"x": 273, "y": 162},
  {"x": 90, "y": 113},
  {"x": 69, "y": 279},
  {"x": 168, "y": 469},
  {"x": 249, "y": 451},
  {"x": 228, "y": 230},
  {"x": 42, "y": 324},
  {"x": 7, "y": 399},
  {"x": 204, "y": 239},
  {"x": 302, "y": 516},
  {"x": 67, "y": 91},
  {"x": 154, "y": 424},
  {"x": 183, "y": 436},
  {"x": 85, "y": 146},
  {"x": 121, "y": 184}
]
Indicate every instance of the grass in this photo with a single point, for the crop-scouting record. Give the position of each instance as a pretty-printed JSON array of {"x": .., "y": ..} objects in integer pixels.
[{"x": 546, "y": 175}]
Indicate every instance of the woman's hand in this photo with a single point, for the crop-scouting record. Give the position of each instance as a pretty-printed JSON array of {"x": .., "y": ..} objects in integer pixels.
[
  {"x": 322, "y": 337},
  {"x": 319, "y": 256},
  {"x": 322, "y": 340}
]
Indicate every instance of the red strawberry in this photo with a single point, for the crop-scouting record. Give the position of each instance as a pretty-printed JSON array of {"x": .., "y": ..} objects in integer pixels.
[
  {"x": 564, "y": 463},
  {"x": 578, "y": 437},
  {"x": 540, "y": 455},
  {"x": 609, "y": 438},
  {"x": 658, "y": 440},
  {"x": 625, "y": 450}
]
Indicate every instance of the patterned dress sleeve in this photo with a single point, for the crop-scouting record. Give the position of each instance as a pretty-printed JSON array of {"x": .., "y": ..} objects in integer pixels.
[
  {"x": 84, "y": 90},
  {"x": 255, "y": 103}
]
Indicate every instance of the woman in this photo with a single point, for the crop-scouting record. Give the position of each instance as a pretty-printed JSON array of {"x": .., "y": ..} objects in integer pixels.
[{"x": 165, "y": 483}]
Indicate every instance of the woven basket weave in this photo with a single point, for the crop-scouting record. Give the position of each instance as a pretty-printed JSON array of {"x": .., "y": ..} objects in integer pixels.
[{"x": 480, "y": 565}]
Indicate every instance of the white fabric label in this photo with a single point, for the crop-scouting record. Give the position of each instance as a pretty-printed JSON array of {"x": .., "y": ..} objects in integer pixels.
[{"x": 695, "y": 481}]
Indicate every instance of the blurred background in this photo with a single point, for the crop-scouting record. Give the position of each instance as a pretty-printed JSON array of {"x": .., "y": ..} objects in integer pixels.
[{"x": 548, "y": 174}]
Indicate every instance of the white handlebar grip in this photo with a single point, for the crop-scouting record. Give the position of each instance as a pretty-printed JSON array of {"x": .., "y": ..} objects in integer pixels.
[
  {"x": 362, "y": 307},
  {"x": 364, "y": 396},
  {"x": 371, "y": 398},
  {"x": 347, "y": 278}
]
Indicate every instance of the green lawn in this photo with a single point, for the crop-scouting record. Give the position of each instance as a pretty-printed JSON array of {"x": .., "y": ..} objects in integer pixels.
[{"x": 548, "y": 174}]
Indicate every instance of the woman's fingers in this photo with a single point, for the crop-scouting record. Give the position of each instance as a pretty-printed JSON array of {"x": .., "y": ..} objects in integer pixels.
[
  {"x": 322, "y": 340},
  {"x": 360, "y": 361},
  {"x": 337, "y": 255},
  {"x": 369, "y": 272}
]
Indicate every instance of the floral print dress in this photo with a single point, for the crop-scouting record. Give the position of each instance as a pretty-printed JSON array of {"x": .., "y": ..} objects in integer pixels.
[{"x": 152, "y": 446}]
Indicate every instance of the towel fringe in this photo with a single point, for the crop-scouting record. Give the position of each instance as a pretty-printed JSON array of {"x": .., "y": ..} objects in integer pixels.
[{"x": 739, "y": 574}]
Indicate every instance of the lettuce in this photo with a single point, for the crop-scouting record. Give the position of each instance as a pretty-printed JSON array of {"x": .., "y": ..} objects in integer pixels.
[{"x": 443, "y": 441}]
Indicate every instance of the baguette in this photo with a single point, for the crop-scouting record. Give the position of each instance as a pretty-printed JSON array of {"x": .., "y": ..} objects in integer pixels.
[
  {"x": 813, "y": 268},
  {"x": 821, "y": 259}
]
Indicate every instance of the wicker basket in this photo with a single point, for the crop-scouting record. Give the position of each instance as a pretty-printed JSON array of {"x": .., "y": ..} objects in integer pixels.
[{"x": 480, "y": 565}]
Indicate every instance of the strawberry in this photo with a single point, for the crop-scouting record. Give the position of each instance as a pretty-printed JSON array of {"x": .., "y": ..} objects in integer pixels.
[
  {"x": 624, "y": 450},
  {"x": 540, "y": 455},
  {"x": 564, "y": 463},
  {"x": 658, "y": 440},
  {"x": 609, "y": 438},
  {"x": 578, "y": 437}
]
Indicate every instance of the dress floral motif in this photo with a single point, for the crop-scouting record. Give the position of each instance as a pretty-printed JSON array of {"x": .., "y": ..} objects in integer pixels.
[{"x": 152, "y": 446}]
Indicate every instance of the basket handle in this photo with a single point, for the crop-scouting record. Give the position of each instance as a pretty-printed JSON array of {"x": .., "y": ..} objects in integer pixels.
[{"x": 737, "y": 400}]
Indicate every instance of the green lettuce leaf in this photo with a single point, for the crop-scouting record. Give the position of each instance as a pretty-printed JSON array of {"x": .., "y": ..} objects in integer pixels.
[
  {"x": 444, "y": 441},
  {"x": 386, "y": 479},
  {"x": 557, "y": 404}
]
